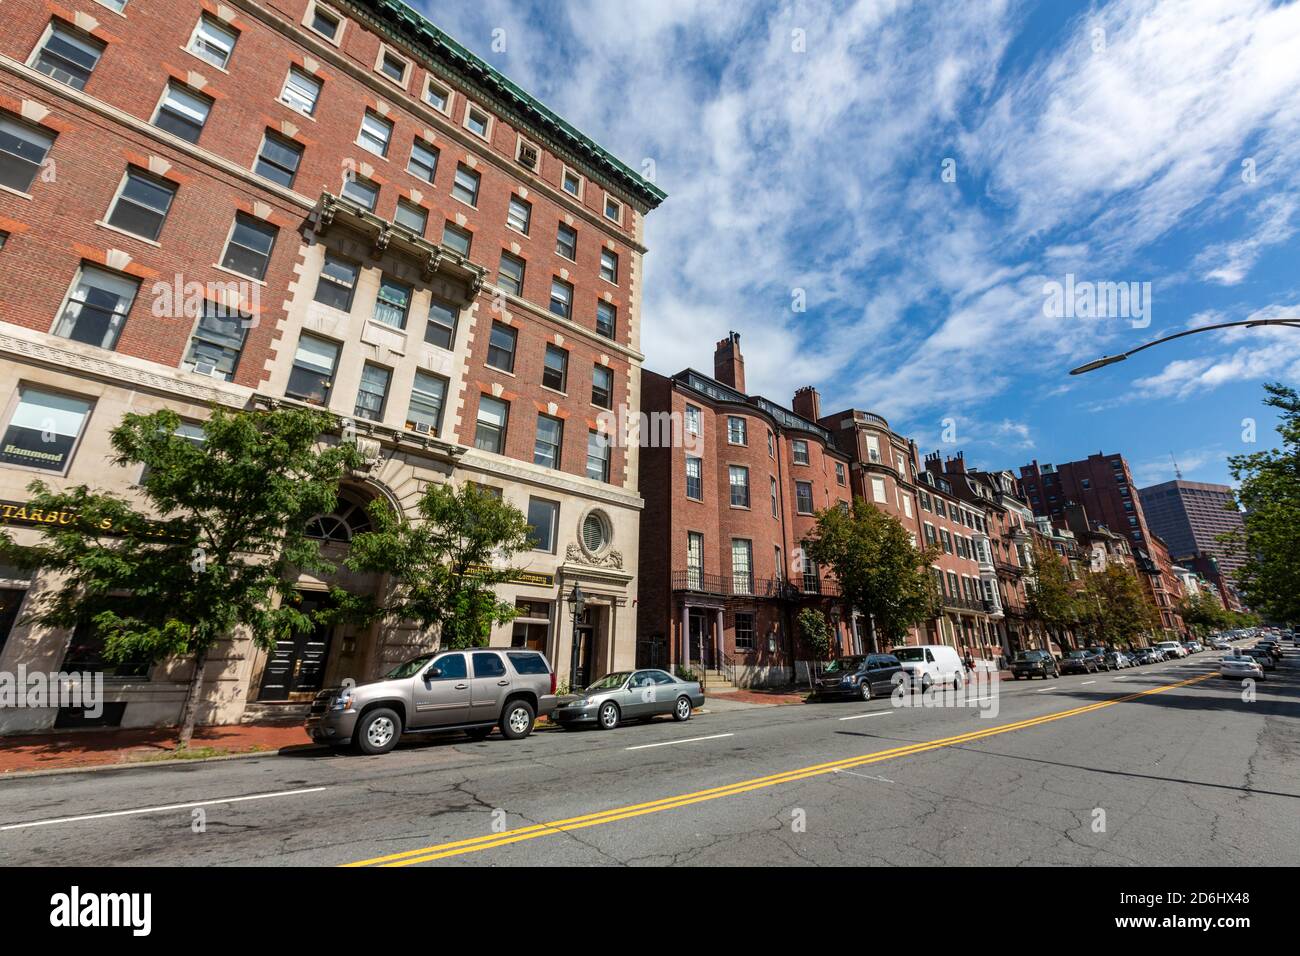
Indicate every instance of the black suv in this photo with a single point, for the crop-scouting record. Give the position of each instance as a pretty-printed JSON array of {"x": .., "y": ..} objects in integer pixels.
[
  {"x": 861, "y": 676},
  {"x": 1033, "y": 664}
]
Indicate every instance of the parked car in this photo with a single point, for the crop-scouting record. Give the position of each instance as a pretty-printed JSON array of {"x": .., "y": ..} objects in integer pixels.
[
  {"x": 1098, "y": 658},
  {"x": 931, "y": 664},
  {"x": 1219, "y": 644},
  {"x": 1149, "y": 655},
  {"x": 1173, "y": 650},
  {"x": 472, "y": 691},
  {"x": 1239, "y": 667},
  {"x": 1262, "y": 655},
  {"x": 1117, "y": 659},
  {"x": 1031, "y": 664},
  {"x": 1078, "y": 662},
  {"x": 630, "y": 695},
  {"x": 863, "y": 676}
]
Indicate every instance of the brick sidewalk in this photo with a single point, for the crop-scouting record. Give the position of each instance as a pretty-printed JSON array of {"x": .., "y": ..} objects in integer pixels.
[
  {"x": 784, "y": 695},
  {"x": 93, "y": 748}
]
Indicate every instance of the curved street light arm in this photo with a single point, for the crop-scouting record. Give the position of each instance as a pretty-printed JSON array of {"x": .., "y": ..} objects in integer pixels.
[{"x": 1112, "y": 359}]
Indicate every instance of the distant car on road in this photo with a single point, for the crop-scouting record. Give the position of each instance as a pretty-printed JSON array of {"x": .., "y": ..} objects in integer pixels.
[
  {"x": 1078, "y": 662},
  {"x": 1148, "y": 655},
  {"x": 630, "y": 695},
  {"x": 1098, "y": 658},
  {"x": 863, "y": 676},
  {"x": 1117, "y": 660},
  {"x": 1262, "y": 655},
  {"x": 1173, "y": 650},
  {"x": 1031, "y": 664},
  {"x": 1273, "y": 647},
  {"x": 1239, "y": 667}
]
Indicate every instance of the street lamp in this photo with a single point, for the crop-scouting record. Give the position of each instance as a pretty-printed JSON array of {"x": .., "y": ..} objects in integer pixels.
[
  {"x": 1112, "y": 359},
  {"x": 577, "y": 603}
]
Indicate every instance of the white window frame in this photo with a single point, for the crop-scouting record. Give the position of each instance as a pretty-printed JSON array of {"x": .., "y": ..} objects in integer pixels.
[
  {"x": 320, "y": 88},
  {"x": 385, "y": 49},
  {"x": 520, "y": 143},
  {"x": 220, "y": 25},
  {"x": 431, "y": 81},
  {"x": 605, "y": 209},
  {"x": 310, "y": 16},
  {"x": 11, "y": 409},
  {"x": 388, "y": 140},
  {"x": 470, "y": 108},
  {"x": 582, "y": 182}
]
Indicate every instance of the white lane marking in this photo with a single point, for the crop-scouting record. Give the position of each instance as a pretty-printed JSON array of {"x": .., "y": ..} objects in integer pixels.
[
  {"x": 1081, "y": 683},
  {"x": 865, "y": 776},
  {"x": 688, "y": 740},
  {"x": 973, "y": 700},
  {"x": 162, "y": 809},
  {"x": 1044, "y": 690},
  {"x": 874, "y": 713}
]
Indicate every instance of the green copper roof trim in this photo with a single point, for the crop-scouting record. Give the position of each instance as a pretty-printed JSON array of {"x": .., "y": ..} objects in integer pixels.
[{"x": 419, "y": 28}]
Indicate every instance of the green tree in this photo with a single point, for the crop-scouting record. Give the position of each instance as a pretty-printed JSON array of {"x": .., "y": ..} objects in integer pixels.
[
  {"x": 1053, "y": 595},
  {"x": 215, "y": 538},
  {"x": 1270, "y": 494},
  {"x": 881, "y": 573},
  {"x": 1203, "y": 613},
  {"x": 443, "y": 565},
  {"x": 816, "y": 632},
  {"x": 1114, "y": 606}
]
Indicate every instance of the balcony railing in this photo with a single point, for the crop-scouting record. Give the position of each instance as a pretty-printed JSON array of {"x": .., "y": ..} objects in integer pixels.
[
  {"x": 742, "y": 585},
  {"x": 691, "y": 580},
  {"x": 965, "y": 604}
]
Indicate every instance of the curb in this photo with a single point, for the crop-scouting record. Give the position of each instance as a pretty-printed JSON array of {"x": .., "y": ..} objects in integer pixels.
[{"x": 164, "y": 762}]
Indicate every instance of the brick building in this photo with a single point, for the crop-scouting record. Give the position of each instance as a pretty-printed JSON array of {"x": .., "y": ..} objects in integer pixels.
[
  {"x": 731, "y": 482},
  {"x": 326, "y": 204}
]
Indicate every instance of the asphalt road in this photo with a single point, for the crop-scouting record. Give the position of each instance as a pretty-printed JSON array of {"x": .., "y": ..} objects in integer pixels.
[{"x": 1159, "y": 765}]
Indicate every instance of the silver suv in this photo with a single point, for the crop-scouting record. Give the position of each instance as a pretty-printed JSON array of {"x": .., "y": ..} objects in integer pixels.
[{"x": 473, "y": 690}]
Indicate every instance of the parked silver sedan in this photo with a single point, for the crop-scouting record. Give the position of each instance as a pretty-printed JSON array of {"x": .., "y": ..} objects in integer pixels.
[{"x": 630, "y": 695}]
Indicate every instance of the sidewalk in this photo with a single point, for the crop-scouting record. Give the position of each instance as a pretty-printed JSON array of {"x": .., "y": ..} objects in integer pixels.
[{"x": 95, "y": 748}]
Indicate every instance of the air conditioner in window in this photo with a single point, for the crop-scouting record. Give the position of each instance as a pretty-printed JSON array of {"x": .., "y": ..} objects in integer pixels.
[
  {"x": 205, "y": 368},
  {"x": 422, "y": 427},
  {"x": 528, "y": 155}
]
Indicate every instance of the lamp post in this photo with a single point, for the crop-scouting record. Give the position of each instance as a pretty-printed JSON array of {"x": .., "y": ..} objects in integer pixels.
[
  {"x": 577, "y": 603},
  {"x": 1112, "y": 359}
]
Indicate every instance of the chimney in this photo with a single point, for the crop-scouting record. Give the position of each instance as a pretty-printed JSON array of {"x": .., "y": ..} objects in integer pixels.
[
  {"x": 728, "y": 363},
  {"x": 957, "y": 465},
  {"x": 807, "y": 403}
]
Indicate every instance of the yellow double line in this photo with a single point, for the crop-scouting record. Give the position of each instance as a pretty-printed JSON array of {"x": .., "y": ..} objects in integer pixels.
[{"x": 490, "y": 841}]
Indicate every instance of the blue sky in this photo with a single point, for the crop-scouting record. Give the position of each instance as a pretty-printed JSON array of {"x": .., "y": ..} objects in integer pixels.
[{"x": 803, "y": 147}]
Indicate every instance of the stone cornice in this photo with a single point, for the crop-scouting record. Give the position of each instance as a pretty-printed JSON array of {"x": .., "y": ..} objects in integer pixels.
[{"x": 519, "y": 471}]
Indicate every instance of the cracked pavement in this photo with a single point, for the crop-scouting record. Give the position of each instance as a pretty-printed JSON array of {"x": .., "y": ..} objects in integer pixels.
[{"x": 1192, "y": 776}]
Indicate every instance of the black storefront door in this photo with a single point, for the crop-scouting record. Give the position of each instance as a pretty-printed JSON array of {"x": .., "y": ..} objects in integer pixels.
[
  {"x": 296, "y": 667},
  {"x": 11, "y": 599}
]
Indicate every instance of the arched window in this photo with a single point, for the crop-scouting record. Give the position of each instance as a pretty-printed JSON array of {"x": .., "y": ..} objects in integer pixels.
[{"x": 348, "y": 518}]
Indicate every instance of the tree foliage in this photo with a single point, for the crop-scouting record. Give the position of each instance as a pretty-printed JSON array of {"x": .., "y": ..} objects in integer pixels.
[
  {"x": 816, "y": 632},
  {"x": 443, "y": 565},
  {"x": 1053, "y": 596},
  {"x": 1203, "y": 613},
  {"x": 880, "y": 571},
  {"x": 1270, "y": 493},
  {"x": 1114, "y": 606}
]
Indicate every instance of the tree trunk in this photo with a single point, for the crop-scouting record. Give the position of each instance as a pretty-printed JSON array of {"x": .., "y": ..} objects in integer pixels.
[{"x": 190, "y": 709}]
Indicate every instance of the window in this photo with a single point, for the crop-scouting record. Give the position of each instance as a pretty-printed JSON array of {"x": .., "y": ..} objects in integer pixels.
[
  {"x": 930, "y": 537},
  {"x": 23, "y": 149},
  {"x": 549, "y": 441},
  {"x": 606, "y": 319},
  {"x": 800, "y": 450},
  {"x": 542, "y": 519},
  {"x": 372, "y": 393},
  {"x": 213, "y": 42},
  {"x": 476, "y": 121},
  {"x": 566, "y": 242},
  {"x": 519, "y": 215},
  {"x": 441, "y": 327},
  {"x": 142, "y": 204},
  {"x": 555, "y": 370},
  {"x": 694, "y": 559},
  {"x": 456, "y": 239},
  {"x": 803, "y": 497},
  {"x": 597, "y": 456},
  {"x": 907, "y": 504},
  {"x": 878, "y": 490},
  {"x": 742, "y": 566},
  {"x": 744, "y": 631},
  {"x": 423, "y": 162},
  {"x": 609, "y": 265},
  {"x": 1086, "y": 484},
  {"x": 392, "y": 303},
  {"x": 117, "y": 6},
  {"x": 490, "y": 431},
  {"x": 772, "y": 482},
  {"x": 217, "y": 341},
  {"x": 602, "y": 387},
  {"x": 375, "y": 133},
  {"x": 694, "y": 478},
  {"x": 465, "y": 186},
  {"x": 393, "y": 67},
  {"x": 561, "y": 299},
  {"x": 97, "y": 307},
  {"x": 839, "y": 477},
  {"x": 301, "y": 91},
  {"x": 692, "y": 420},
  {"x": 532, "y": 630},
  {"x": 572, "y": 183},
  {"x": 771, "y": 444},
  {"x": 873, "y": 448},
  {"x": 411, "y": 216},
  {"x": 337, "y": 282},
  {"x": 249, "y": 249},
  {"x": 738, "y": 477},
  {"x": 43, "y": 430},
  {"x": 312, "y": 374},
  {"x": 510, "y": 274},
  {"x": 613, "y": 209},
  {"x": 428, "y": 395},
  {"x": 736, "y": 431},
  {"x": 501, "y": 347},
  {"x": 437, "y": 96},
  {"x": 182, "y": 112},
  {"x": 361, "y": 191},
  {"x": 325, "y": 22},
  {"x": 946, "y": 538},
  {"x": 68, "y": 55},
  {"x": 278, "y": 159}
]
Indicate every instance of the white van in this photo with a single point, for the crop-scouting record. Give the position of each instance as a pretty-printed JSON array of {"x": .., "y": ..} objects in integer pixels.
[
  {"x": 930, "y": 665},
  {"x": 1172, "y": 649}
]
